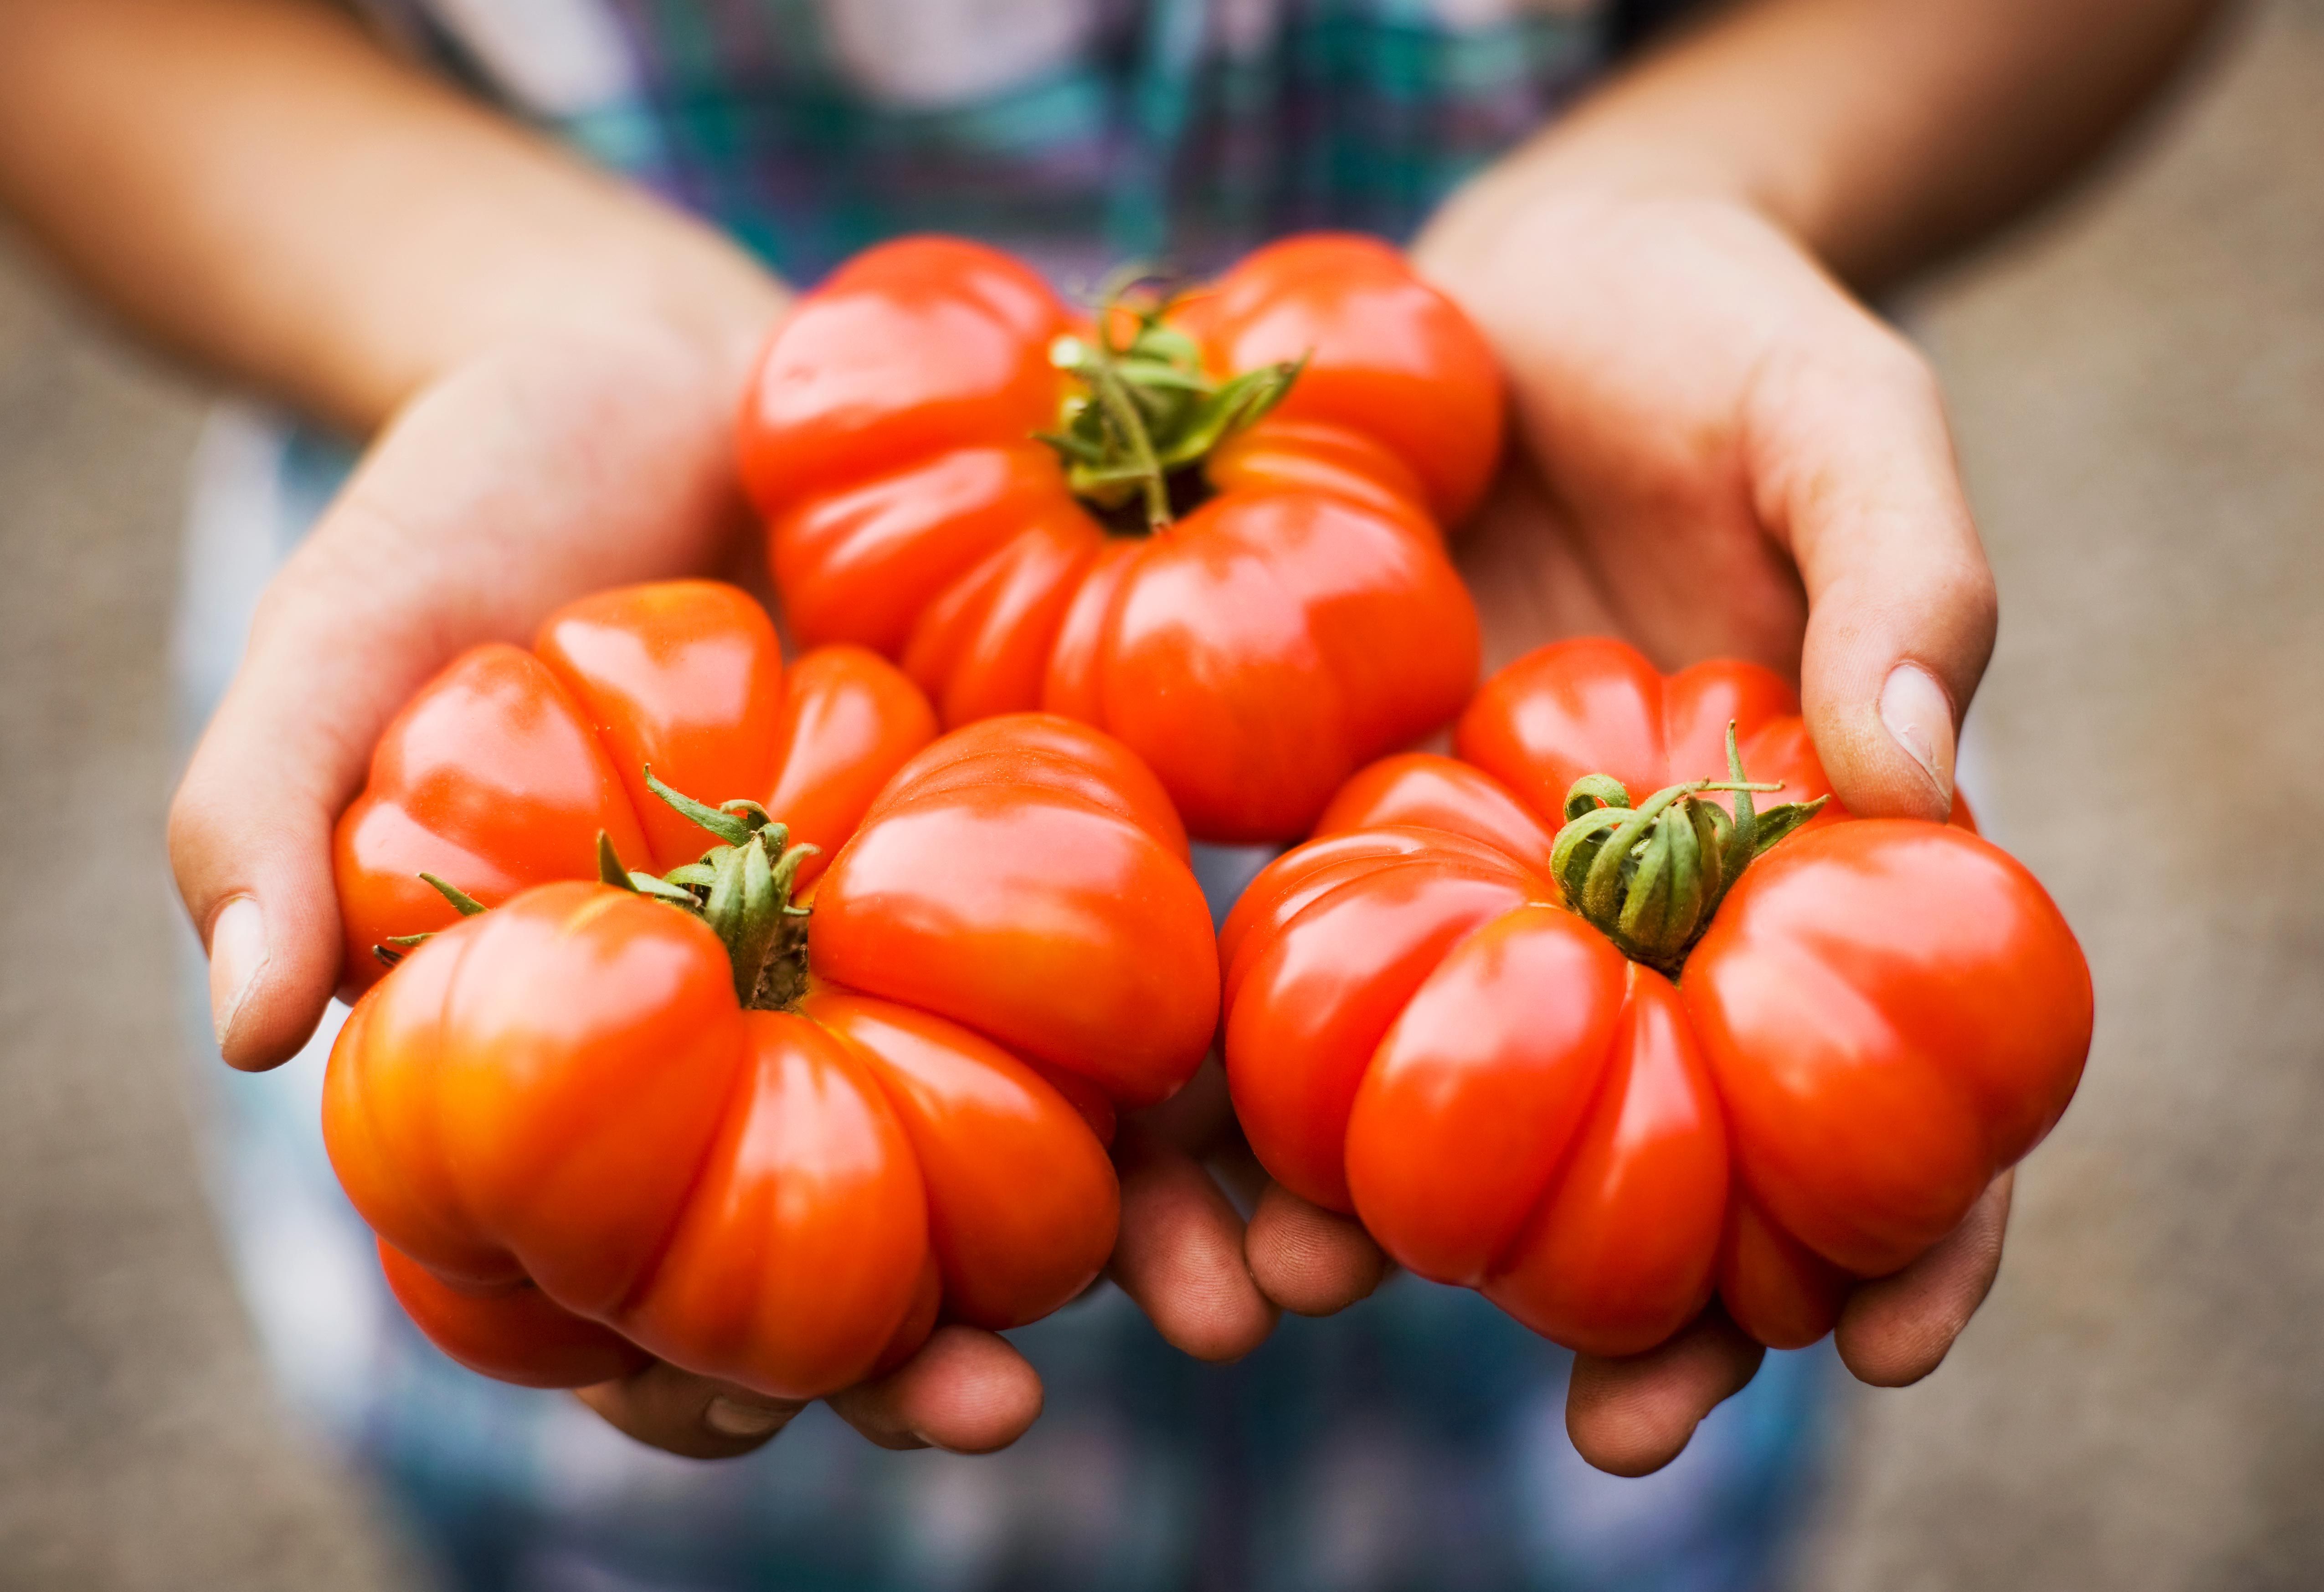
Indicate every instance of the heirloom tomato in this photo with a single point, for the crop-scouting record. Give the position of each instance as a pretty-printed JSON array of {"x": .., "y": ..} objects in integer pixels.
[
  {"x": 1208, "y": 523},
  {"x": 1574, "y": 1018},
  {"x": 760, "y": 1117}
]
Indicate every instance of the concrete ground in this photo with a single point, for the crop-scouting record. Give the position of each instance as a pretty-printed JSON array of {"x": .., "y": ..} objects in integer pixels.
[
  {"x": 2138, "y": 383},
  {"x": 2138, "y": 388},
  {"x": 139, "y": 1447}
]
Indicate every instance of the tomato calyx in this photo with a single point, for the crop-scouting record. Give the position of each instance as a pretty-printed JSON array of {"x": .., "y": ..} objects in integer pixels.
[
  {"x": 1650, "y": 876},
  {"x": 1134, "y": 434},
  {"x": 741, "y": 888},
  {"x": 397, "y": 946}
]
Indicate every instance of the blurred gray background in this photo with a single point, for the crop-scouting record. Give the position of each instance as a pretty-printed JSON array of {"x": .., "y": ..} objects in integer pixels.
[{"x": 2138, "y": 385}]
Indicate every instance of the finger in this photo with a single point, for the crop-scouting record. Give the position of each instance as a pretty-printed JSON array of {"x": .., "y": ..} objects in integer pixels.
[
  {"x": 1180, "y": 1255},
  {"x": 250, "y": 828},
  {"x": 1896, "y": 1331},
  {"x": 683, "y": 1414},
  {"x": 1309, "y": 1260},
  {"x": 1633, "y": 1416},
  {"x": 1853, "y": 469},
  {"x": 965, "y": 1390},
  {"x": 513, "y": 486}
]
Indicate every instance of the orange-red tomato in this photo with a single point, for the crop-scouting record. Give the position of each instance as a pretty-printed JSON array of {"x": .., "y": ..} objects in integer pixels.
[
  {"x": 577, "y": 1144},
  {"x": 1300, "y": 620},
  {"x": 1421, "y": 1029},
  {"x": 501, "y": 774}
]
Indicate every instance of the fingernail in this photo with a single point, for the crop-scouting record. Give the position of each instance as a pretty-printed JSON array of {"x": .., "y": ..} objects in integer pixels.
[
  {"x": 237, "y": 956},
  {"x": 733, "y": 1418},
  {"x": 1920, "y": 716}
]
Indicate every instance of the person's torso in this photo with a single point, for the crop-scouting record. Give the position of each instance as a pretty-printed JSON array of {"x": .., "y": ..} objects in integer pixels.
[{"x": 1076, "y": 132}]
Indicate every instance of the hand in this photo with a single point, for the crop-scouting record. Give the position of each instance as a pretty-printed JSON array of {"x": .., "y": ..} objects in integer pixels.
[
  {"x": 523, "y": 479},
  {"x": 1717, "y": 453}
]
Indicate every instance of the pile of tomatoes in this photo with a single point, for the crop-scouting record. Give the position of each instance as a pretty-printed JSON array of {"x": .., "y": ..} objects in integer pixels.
[{"x": 757, "y": 1016}]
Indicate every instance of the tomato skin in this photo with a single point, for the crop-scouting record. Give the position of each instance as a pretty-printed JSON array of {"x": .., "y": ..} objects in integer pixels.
[
  {"x": 1023, "y": 1203},
  {"x": 479, "y": 1134},
  {"x": 859, "y": 563},
  {"x": 1432, "y": 792},
  {"x": 491, "y": 777},
  {"x": 516, "y": 1334},
  {"x": 848, "y": 723},
  {"x": 1243, "y": 651},
  {"x": 1775, "y": 1287},
  {"x": 1331, "y": 992},
  {"x": 1059, "y": 924},
  {"x": 1883, "y": 1017},
  {"x": 1597, "y": 706},
  {"x": 912, "y": 347},
  {"x": 1869, "y": 1126},
  {"x": 1305, "y": 456},
  {"x": 579, "y": 1151},
  {"x": 1619, "y": 1251},
  {"x": 501, "y": 773},
  {"x": 684, "y": 677},
  {"x": 1388, "y": 356},
  {"x": 984, "y": 647},
  {"x": 800, "y": 1252},
  {"x": 1336, "y": 634},
  {"x": 1468, "y": 1103}
]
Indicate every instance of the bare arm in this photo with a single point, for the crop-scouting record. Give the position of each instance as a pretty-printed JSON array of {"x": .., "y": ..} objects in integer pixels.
[
  {"x": 1879, "y": 132},
  {"x": 258, "y": 185}
]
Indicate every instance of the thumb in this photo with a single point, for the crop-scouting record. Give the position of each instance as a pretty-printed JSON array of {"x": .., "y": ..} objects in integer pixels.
[
  {"x": 1853, "y": 468},
  {"x": 519, "y": 482},
  {"x": 250, "y": 828}
]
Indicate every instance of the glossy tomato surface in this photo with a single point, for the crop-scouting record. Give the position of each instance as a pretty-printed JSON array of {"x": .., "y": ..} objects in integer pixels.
[
  {"x": 1244, "y": 650},
  {"x": 1881, "y": 1018},
  {"x": 580, "y": 1149},
  {"x": 502, "y": 772}
]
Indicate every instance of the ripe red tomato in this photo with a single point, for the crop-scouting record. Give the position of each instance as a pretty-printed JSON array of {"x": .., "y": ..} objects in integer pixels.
[
  {"x": 590, "y": 1125},
  {"x": 1207, "y": 526},
  {"x": 502, "y": 772},
  {"x": 1600, "y": 1063}
]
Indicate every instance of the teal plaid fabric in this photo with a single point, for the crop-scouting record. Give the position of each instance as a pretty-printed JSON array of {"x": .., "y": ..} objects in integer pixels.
[
  {"x": 1077, "y": 131},
  {"x": 1415, "y": 1442}
]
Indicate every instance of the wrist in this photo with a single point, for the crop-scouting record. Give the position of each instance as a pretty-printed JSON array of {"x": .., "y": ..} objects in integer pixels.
[
  {"x": 1525, "y": 250},
  {"x": 700, "y": 292},
  {"x": 695, "y": 300},
  {"x": 1563, "y": 190}
]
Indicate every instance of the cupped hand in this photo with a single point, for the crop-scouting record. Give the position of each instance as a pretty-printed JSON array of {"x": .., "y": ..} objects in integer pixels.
[
  {"x": 527, "y": 478},
  {"x": 1718, "y": 453},
  {"x": 524, "y": 480}
]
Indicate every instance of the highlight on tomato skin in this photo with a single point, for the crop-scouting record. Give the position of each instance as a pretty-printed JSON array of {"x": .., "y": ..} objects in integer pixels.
[
  {"x": 502, "y": 772},
  {"x": 766, "y": 1123},
  {"x": 1207, "y": 519},
  {"x": 1616, "y": 1011}
]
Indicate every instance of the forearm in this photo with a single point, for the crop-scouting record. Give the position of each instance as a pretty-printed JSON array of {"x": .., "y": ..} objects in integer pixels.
[
  {"x": 255, "y": 184},
  {"x": 1880, "y": 132}
]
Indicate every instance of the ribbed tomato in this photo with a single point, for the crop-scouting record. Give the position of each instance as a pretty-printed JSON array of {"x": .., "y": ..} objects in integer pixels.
[
  {"x": 765, "y": 1128},
  {"x": 1601, "y": 1054},
  {"x": 1208, "y": 525}
]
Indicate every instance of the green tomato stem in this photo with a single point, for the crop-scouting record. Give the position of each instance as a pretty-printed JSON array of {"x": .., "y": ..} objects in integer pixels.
[{"x": 1651, "y": 876}]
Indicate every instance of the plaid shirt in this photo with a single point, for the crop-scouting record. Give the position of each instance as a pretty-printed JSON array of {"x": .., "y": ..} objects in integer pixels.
[{"x": 1076, "y": 132}]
